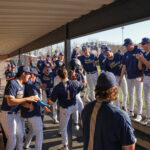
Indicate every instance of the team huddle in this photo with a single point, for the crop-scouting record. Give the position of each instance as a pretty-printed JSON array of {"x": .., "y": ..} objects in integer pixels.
[{"x": 35, "y": 89}]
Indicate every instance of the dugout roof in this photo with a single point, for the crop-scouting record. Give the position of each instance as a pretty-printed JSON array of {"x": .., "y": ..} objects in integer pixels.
[{"x": 26, "y": 25}]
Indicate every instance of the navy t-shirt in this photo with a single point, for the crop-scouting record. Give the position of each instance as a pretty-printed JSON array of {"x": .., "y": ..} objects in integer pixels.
[
  {"x": 146, "y": 70},
  {"x": 113, "y": 127},
  {"x": 88, "y": 63},
  {"x": 114, "y": 64},
  {"x": 13, "y": 88},
  {"x": 66, "y": 93},
  {"x": 30, "y": 90},
  {"x": 131, "y": 63}
]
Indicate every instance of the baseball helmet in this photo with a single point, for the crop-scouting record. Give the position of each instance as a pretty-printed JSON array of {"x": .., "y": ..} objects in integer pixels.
[{"x": 75, "y": 64}]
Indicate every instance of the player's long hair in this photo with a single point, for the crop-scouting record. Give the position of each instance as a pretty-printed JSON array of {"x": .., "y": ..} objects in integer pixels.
[
  {"x": 62, "y": 73},
  {"x": 110, "y": 94}
]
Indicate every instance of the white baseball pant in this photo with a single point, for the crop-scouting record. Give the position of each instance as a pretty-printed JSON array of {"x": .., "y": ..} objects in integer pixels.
[
  {"x": 65, "y": 114},
  {"x": 35, "y": 128},
  {"x": 138, "y": 85},
  {"x": 92, "y": 81},
  {"x": 12, "y": 126},
  {"x": 146, "y": 86},
  {"x": 124, "y": 88}
]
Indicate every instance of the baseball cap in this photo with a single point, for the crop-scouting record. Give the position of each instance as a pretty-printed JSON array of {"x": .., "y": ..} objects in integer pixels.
[
  {"x": 84, "y": 48},
  {"x": 103, "y": 46},
  {"x": 23, "y": 69},
  {"x": 106, "y": 49},
  {"x": 8, "y": 65},
  {"x": 47, "y": 65},
  {"x": 61, "y": 54},
  {"x": 106, "y": 80},
  {"x": 55, "y": 55},
  {"x": 34, "y": 71},
  {"x": 13, "y": 66},
  {"x": 48, "y": 55},
  {"x": 127, "y": 42},
  {"x": 145, "y": 40}
]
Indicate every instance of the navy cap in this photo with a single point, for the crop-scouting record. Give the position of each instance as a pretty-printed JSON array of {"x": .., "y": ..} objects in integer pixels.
[
  {"x": 55, "y": 55},
  {"x": 56, "y": 51},
  {"x": 127, "y": 42},
  {"x": 145, "y": 40},
  {"x": 23, "y": 69},
  {"x": 47, "y": 65},
  {"x": 13, "y": 66},
  {"x": 61, "y": 54},
  {"x": 106, "y": 49},
  {"x": 34, "y": 71},
  {"x": 103, "y": 46},
  {"x": 8, "y": 65},
  {"x": 106, "y": 80},
  {"x": 84, "y": 48},
  {"x": 48, "y": 55}
]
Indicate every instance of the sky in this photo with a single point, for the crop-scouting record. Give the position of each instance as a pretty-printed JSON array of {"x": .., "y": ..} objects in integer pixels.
[{"x": 134, "y": 31}]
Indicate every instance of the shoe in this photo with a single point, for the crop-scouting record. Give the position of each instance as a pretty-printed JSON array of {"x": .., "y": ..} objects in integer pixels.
[
  {"x": 138, "y": 118},
  {"x": 56, "y": 121},
  {"x": 65, "y": 147},
  {"x": 146, "y": 121},
  {"x": 77, "y": 127},
  {"x": 131, "y": 114}
]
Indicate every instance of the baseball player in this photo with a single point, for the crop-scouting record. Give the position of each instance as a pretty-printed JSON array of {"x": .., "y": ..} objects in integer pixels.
[
  {"x": 113, "y": 63},
  {"x": 102, "y": 58},
  {"x": 7, "y": 70},
  {"x": 89, "y": 65},
  {"x": 11, "y": 74},
  {"x": 47, "y": 79},
  {"x": 75, "y": 51},
  {"x": 144, "y": 64},
  {"x": 10, "y": 118},
  {"x": 40, "y": 65},
  {"x": 65, "y": 92},
  {"x": 32, "y": 113},
  {"x": 134, "y": 77}
]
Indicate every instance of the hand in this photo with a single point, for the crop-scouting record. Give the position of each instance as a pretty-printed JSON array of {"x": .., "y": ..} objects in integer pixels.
[
  {"x": 32, "y": 99},
  {"x": 119, "y": 82},
  {"x": 47, "y": 109},
  {"x": 80, "y": 71},
  {"x": 31, "y": 107}
]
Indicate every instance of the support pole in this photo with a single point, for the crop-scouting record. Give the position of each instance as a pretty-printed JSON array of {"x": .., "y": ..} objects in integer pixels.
[{"x": 67, "y": 53}]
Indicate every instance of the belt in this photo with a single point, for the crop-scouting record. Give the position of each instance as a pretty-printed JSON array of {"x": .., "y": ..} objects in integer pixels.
[
  {"x": 91, "y": 72},
  {"x": 12, "y": 112}
]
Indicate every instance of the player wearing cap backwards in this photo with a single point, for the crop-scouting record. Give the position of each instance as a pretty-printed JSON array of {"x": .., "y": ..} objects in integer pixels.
[
  {"x": 40, "y": 65},
  {"x": 102, "y": 58},
  {"x": 10, "y": 118},
  {"x": 89, "y": 64},
  {"x": 31, "y": 111},
  {"x": 113, "y": 63},
  {"x": 65, "y": 92},
  {"x": 144, "y": 64},
  {"x": 134, "y": 77},
  {"x": 10, "y": 74},
  {"x": 105, "y": 126}
]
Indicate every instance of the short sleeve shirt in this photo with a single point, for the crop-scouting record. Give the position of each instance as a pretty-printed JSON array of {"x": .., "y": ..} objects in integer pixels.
[{"x": 113, "y": 127}]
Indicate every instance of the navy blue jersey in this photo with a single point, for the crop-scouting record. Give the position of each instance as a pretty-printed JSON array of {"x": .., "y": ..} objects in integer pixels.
[
  {"x": 31, "y": 90},
  {"x": 114, "y": 64},
  {"x": 14, "y": 89},
  {"x": 48, "y": 60},
  {"x": 113, "y": 127},
  {"x": 10, "y": 74},
  {"x": 146, "y": 70},
  {"x": 66, "y": 93},
  {"x": 6, "y": 72},
  {"x": 78, "y": 76},
  {"x": 73, "y": 54},
  {"x": 131, "y": 63},
  {"x": 88, "y": 63},
  {"x": 102, "y": 59},
  {"x": 59, "y": 64},
  {"x": 40, "y": 65},
  {"x": 48, "y": 79}
]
